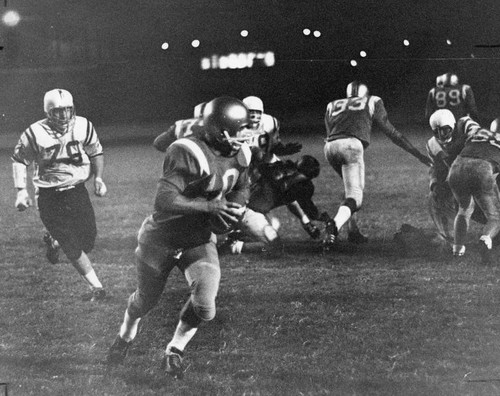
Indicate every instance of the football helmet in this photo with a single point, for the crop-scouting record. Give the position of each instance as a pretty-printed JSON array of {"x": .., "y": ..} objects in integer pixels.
[
  {"x": 356, "y": 89},
  {"x": 198, "y": 110},
  {"x": 224, "y": 120},
  {"x": 256, "y": 107},
  {"x": 308, "y": 166},
  {"x": 60, "y": 110},
  {"x": 440, "y": 81},
  {"x": 442, "y": 123}
]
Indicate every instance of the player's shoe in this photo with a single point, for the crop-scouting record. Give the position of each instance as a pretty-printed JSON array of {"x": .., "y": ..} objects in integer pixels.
[
  {"x": 96, "y": 294},
  {"x": 172, "y": 363},
  {"x": 52, "y": 248},
  {"x": 231, "y": 246},
  {"x": 331, "y": 233},
  {"x": 118, "y": 351},
  {"x": 313, "y": 231},
  {"x": 485, "y": 250},
  {"x": 356, "y": 237}
]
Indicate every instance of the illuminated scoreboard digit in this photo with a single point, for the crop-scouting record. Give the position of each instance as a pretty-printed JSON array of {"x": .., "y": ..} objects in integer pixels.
[{"x": 241, "y": 60}]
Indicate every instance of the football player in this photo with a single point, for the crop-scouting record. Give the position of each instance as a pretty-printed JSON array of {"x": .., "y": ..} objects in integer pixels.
[
  {"x": 450, "y": 94},
  {"x": 281, "y": 183},
  {"x": 205, "y": 176},
  {"x": 448, "y": 140},
  {"x": 181, "y": 128},
  {"x": 266, "y": 145},
  {"x": 348, "y": 124},
  {"x": 472, "y": 180},
  {"x": 65, "y": 151}
]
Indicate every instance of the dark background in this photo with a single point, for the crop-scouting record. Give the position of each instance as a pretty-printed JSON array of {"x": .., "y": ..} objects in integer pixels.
[{"x": 108, "y": 54}]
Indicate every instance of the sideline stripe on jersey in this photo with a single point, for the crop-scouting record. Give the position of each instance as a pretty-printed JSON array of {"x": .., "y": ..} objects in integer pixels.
[
  {"x": 197, "y": 152},
  {"x": 30, "y": 133},
  {"x": 90, "y": 133}
]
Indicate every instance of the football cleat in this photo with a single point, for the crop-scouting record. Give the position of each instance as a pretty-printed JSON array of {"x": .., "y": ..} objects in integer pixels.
[
  {"x": 331, "y": 233},
  {"x": 485, "y": 250},
  {"x": 313, "y": 231},
  {"x": 52, "y": 248},
  {"x": 172, "y": 363},
  {"x": 118, "y": 351},
  {"x": 356, "y": 237},
  {"x": 96, "y": 294}
]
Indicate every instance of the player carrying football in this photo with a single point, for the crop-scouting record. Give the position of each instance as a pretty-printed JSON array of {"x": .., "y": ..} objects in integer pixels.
[
  {"x": 199, "y": 173},
  {"x": 65, "y": 151}
]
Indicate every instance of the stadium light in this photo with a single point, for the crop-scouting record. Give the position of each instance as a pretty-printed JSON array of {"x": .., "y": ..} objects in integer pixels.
[
  {"x": 244, "y": 33},
  {"x": 164, "y": 46},
  {"x": 195, "y": 43},
  {"x": 306, "y": 32},
  {"x": 448, "y": 41},
  {"x": 406, "y": 43},
  {"x": 11, "y": 18},
  {"x": 354, "y": 63},
  {"x": 317, "y": 33},
  {"x": 362, "y": 54}
]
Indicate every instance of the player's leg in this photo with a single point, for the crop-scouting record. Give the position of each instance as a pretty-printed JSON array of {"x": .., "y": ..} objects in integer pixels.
[
  {"x": 488, "y": 199},
  {"x": 153, "y": 267},
  {"x": 462, "y": 183},
  {"x": 202, "y": 271},
  {"x": 260, "y": 228}
]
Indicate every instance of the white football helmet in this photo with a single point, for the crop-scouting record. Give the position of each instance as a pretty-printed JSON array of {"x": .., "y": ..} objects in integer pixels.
[
  {"x": 60, "y": 109},
  {"x": 440, "y": 81},
  {"x": 442, "y": 123},
  {"x": 356, "y": 89},
  {"x": 256, "y": 107}
]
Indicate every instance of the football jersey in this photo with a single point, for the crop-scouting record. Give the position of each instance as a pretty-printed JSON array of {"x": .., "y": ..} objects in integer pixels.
[
  {"x": 192, "y": 169},
  {"x": 459, "y": 99},
  {"x": 60, "y": 160},
  {"x": 180, "y": 129},
  {"x": 264, "y": 138},
  {"x": 484, "y": 144},
  {"x": 354, "y": 117}
]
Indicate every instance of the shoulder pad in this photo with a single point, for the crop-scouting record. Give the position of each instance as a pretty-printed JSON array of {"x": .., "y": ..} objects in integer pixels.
[
  {"x": 433, "y": 147},
  {"x": 269, "y": 123},
  {"x": 244, "y": 156},
  {"x": 192, "y": 146}
]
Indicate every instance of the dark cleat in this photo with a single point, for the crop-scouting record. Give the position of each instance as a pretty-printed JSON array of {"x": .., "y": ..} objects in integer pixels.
[
  {"x": 52, "y": 248},
  {"x": 118, "y": 351},
  {"x": 96, "y": 294},
  {"x": 313, "y": 231},
  {"x": 356, "y": 237},
  {"x": 331, "y": 233},
  {"x": 172, "y": 363}
]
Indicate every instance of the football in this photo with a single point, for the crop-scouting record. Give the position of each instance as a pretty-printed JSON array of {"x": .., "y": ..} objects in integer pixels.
[{"x": 219, "y": 225}]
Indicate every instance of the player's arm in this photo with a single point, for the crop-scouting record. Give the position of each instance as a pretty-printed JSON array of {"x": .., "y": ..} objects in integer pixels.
[
  {"x": 22, "y": 157},
  {"x": 397, "y": 137},
  {"x": 97, "y": 165},
  {"x": 165, "y": 139}
]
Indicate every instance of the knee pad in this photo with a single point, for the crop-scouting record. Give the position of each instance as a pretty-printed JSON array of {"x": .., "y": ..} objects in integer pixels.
[
  {"x": 351, "y": 204},
  {"x": 204, "y": 287}
]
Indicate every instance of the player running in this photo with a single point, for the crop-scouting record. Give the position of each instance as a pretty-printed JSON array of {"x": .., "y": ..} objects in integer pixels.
[
  {"x": 66, "y": 152},
  {"x": 199, "y": 173},
  {"x": 348, "y": 124}
]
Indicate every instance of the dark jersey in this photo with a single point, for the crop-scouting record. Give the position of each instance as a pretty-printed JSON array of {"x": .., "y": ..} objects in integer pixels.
[
  {"x": 180, "y": 129},
  {"x": 459, "y": 99},
  {"x": 354, "y": 117},
  {"x": 192, "y": 169},
  {"x": 483, "y": 144},
  {"x": 281, "y": 184}
]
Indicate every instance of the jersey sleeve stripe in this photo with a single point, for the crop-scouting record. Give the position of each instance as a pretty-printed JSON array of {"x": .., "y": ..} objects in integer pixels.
[
  {"x": 198, "y": 154},
  {"x": 90, "y": 133},
  {"x": 30, "y": 133}
]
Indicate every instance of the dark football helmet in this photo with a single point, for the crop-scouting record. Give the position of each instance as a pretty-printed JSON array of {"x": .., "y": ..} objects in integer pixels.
[
  {"x": 442, "y": 123},
  {"x": 308, "y": 166},
  {"x": 223, "y": 120}
]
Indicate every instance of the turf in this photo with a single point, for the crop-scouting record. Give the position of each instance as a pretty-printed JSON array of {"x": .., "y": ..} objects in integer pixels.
[{"x": 360, "y": 320}]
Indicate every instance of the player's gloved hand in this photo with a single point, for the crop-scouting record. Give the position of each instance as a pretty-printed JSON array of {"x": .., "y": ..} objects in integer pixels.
[
  {"x": 23, "y": 200},
  {"x": 287, "y": 149},
  {"x": 100, "y": 187}
]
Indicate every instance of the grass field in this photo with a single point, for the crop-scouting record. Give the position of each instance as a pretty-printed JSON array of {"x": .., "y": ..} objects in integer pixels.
[{"x": 369, "y": 320}]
